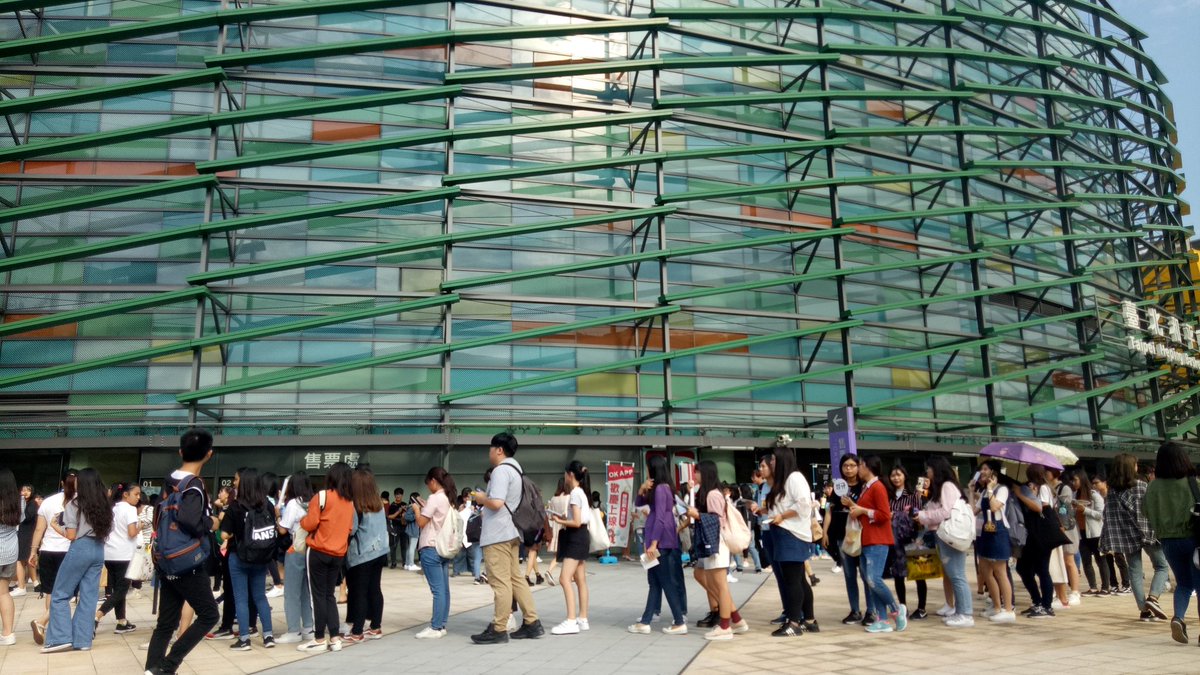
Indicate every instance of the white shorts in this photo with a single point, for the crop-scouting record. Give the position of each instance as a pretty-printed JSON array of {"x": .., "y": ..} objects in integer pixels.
[{"x": 719, "y": 561}]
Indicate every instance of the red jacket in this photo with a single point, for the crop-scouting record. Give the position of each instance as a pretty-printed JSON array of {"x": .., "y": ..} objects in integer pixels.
[{"x": 877, "y": 532}]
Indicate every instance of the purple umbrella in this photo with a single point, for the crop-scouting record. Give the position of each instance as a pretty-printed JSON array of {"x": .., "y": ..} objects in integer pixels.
[{"x": 1022, "y": 453}]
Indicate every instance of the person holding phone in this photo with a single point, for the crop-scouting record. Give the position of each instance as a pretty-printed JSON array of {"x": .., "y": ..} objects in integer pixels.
[
  {"x": 573, "y": 545},
  {"x": 994, "y": 547}
]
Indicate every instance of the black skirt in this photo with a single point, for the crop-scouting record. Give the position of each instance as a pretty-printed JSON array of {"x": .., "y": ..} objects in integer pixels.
[{"x": 573, "y": 543}]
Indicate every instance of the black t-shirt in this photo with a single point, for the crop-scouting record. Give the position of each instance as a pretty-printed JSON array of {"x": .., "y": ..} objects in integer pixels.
[
  {"x": 234, "y": 522},
  {"x": 839, "y": 512}
]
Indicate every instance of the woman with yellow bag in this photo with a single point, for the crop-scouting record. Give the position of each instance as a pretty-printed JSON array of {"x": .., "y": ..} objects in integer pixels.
[{"x": 904, "y": 529}]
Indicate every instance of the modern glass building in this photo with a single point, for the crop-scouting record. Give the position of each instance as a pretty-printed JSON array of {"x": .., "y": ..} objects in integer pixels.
[{"x": 335, "y": 226}]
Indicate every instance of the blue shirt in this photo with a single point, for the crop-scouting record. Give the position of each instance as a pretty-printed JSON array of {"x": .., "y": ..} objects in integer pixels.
[{"x": 497, "y": 526}]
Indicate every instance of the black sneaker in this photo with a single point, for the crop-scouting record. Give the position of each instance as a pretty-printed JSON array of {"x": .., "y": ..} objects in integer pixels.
[
  {"x": 1104, "y": 592},
  {"x": 1146, "y": 616},
  {"x": 240, "y": 645},
  {"x": 1179, "y": 631},
  {"x": 788, "y": 629},
  {"x": 490, "y": 636},
  {"x": 269, "y": 641},
  {"x": 1031, "y": 611},
  {"x": 852, "y": 618},
  {"x": 223, "y": 634},
  {"x": 869, "y": 618},
  {"x": 779, "y": 620},
  {"x": 1040, "y": 612},
  {"x": 124, "y": 628},
  {"x": 814, "y": 581},
  {"x": 709, "y": 620},
  {"x": 918, "y": 615},
  {"x": 1155, "y": 608},
  {"x": 529, "y": 631},
  {"x": 811, "y": 627}
]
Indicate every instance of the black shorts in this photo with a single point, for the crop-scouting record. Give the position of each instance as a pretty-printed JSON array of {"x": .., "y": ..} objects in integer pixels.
[
  {"x": 573, "y": 543},
  {"x": 48, "y": 564}
]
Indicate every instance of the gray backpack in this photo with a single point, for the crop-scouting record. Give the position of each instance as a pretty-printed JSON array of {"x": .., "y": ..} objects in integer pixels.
[{"x": 1015, "y": 515}]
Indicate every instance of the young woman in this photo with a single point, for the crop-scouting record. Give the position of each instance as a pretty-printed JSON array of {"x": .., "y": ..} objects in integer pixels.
[
  {"x": 904, "y": 501},
  {"x": 1089, "y": 510},
  {"x": 1034, "y": 564},
  {"x": 1128, "y": 532},
  {"x": 874, "y": 513},
  {"x": 944, "y": 492},
  {"x": 10, "y": 521},
  {"x": 87, "y": 519},
  {"x": 1064, "y": 505},
  {"x": 789, "y": 509},
  {"x": 836, "y": 517},
  {"x": 711, "y": 571},
  {"x": 25, "y": 572},
  {"x": 50, "y": 546},
  {"x": 412, "y": 532},
  {"x": 248, "y": 578},
  {"x": 662, "y": 544},
  {"x": 1169, "y": 504},
  {"x": 366, "y": 557},
  {"x": 297, "y": 601},
  {"x": 1118, "y": 568},
  {"x": 329, "y": 523},
  {"x": 118, "y": 551},
  {"x": 993, "y": 546},
  {"x": 432, "y": 519},
  {"x": 573, "y": 544},
  {"x": 558, "y": 504}
]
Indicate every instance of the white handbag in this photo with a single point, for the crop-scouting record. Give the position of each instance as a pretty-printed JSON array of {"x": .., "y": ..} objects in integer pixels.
[
  {"x": 597, "y": 533},
  {"x": 139, "y": 566}
]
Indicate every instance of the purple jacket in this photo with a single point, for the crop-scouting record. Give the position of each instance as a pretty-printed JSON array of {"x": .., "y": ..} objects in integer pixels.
[{"x": 660, "y": 526}]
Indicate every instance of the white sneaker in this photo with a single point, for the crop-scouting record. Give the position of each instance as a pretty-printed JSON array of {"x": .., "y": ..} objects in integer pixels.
[
  {"x": 335, "y": 644},
  {"x": 567, "y": 627},
  {"x": 313, "y": 646},
  {"x": 638, "y": 629},
  {"x": 1073, "y": 599},
  {"x": 836, "y": 569},
  {"x": 275, "y": 593},
  {"x": 512, "y": 623},
  {"x": 16, "y": 593},
  {"x": 731, "y": 579},
  {"x": 946, "y": 611},
  {"x": 1003, "y": 617},
  {"x": 990, "y": 612},
  {"x": 413, "y": 568},
  {"x": 583, "y": 624},
  {"x": 675, "y": 630},
  {"x": 718, "y": 633},
  {"x": 288, "y": 639},
  {"x": 11, "y": 639},
  {"x": 960, "y": 621},
  {"x": 1059, "y": 604},
  {"x": 431, "y": 633}
]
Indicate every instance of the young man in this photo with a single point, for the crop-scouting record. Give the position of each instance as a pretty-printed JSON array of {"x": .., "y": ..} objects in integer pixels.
[
  {"x": 396, "y": 536},
  {"x": 501, "y": 545},
  {"x": 194, "y": 519}
]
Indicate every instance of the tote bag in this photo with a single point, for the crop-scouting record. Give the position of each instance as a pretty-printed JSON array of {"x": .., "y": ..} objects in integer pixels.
[
  {"x": 597, "y": 533},
  {"x": 736, "y": 533},
  {"x": 852, "y": 543}
]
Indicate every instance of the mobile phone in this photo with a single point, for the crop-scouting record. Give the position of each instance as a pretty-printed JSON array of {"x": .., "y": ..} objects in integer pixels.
[{"x": 975, "y": 478}]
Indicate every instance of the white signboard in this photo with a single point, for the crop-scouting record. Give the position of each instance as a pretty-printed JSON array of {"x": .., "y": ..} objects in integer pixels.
[{"x": 1177, "y": 341}]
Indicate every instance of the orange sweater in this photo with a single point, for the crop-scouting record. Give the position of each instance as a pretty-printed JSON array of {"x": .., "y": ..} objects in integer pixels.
[{"x": 329, "y": 529}]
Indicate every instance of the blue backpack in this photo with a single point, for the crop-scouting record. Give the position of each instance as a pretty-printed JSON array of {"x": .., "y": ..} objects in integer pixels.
[{"x": 176, "y": 552}]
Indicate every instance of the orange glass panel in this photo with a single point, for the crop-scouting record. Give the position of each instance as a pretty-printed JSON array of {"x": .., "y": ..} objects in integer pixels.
[{"x": 343, "y": 131}]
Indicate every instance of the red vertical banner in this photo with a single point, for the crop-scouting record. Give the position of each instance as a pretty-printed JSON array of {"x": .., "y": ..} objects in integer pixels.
[{"x": 620, "y": 503}]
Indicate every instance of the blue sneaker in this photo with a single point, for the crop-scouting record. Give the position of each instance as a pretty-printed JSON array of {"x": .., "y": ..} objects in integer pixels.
[
  {"x": 880, "y": 627},
  {"x": 901, "y": 618}
]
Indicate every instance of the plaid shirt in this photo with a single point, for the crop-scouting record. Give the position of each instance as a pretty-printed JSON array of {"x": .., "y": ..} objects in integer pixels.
[{"x": 1126, "y": 528}]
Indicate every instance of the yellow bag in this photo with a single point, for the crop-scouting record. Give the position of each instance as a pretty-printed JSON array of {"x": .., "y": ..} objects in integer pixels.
[{"x": 924, "y": 564}]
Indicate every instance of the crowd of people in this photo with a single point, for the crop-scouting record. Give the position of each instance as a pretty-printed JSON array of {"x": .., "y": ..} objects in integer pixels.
[{"x": 263, "y": 537}]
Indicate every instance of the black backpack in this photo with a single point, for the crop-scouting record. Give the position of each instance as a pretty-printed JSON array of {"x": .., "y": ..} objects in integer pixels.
[
  {"x": 474, "y": 528},
  {"x": 529, "y": 516},
  {"x": 258, "y": 543}
]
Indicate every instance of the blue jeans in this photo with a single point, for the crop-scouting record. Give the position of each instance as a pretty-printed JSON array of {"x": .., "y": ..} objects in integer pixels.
[
  {"x": 437, "y": 573},
  {"x": 410, "y": 554},
  {"x": 664, "y": 579},
  {"x": 256, "y": 576},
  {"x": 1187, "y": 578},
  {"x": 874, "y": 558},
  {"x": 851, "y": 571},
  {"x": 754, "y": 556},
  {"x": 297, "y": 600},
  {"x": 476, "y": 560},
  {"x": 954, "y": 565},
  {"x": 80, "y": 571},
  {"x": 1137, "y": 581},
  {"x": 461, "y": 562}
]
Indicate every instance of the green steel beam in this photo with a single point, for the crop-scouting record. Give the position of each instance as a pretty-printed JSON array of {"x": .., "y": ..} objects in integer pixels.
[
  {"x": 568, "y": 70},
  {"x": 107, "y": 309},
  {"x": 412, "y": 140},
  {"x": 857, "y": 132},
  {"x": 742, "y": 150},
  {"x": 795, "y": 379},
  {"x": 1119, "y": 133},
  {"x": 799, "y": 96},
  {"x": 7, "y": 6},
  {"x": 424, "y": 242},
  {"x": 194, "y": 122},
  {"x": 220, "y": 226},
  {"x": 1169, "y": 228},
  {"x": 105, "y": 198},
  {"x": 776, "y": 13},
  {"x": 1075, "y": 398},
  {"x": 1030, "y": 24},
  {"x": 1033, "y": 323},
  {"x": 488, "y": 280},
  {"x": 1173, "y": 291},
  {"x": 1105, "y": 13},
  {"x": 297, "y": 374},
  {"x": 1141, "y": 412},
  {"x": 1142, "y": 57},
  {"x": 552, "y": 168},
  {"x": 224, "y": 339},
  {"x": 824, "y": 274},
  {"x": 221, "y": 17},
  {"x": 1033, "y": 92},
  {"x": 1113, "y": 197},
  {"x": 1132, "y": 265},
  {"x": 1115, "y": 73},
  {"x": 977, "y": 383},
  {"x": 983, "y": 292},
  {"x": 924, "y": 52},
  {"x": 956, "y": 211},
  {"x": 1048, "y": 164},
  {"x": 746, "y": 190},
  {"x": 1182, "y": 429},
  {"x": 431, "y": 39},
  {"x": 138, "y": 86},
  {"x": 992, "y": 242},
  {"x": 645, "y": 360}
]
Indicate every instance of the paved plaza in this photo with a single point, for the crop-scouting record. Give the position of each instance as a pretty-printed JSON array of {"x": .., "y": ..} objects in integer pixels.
[{"x": 1099, "y": 637}]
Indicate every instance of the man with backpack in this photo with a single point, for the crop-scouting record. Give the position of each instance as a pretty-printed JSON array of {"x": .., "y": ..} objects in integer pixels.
[
  {"x": 183, "y": 527},
  {"x": 507, "y": 520}
]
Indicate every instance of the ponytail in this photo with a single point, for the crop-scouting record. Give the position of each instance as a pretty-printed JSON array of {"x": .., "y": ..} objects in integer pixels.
[{"x": 580, "y": 473}]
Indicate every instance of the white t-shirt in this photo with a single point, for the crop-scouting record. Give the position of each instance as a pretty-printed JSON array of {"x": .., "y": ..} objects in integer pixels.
[
  {"x": 52, "y": 541},
  {"x": 1000, "y": 495},
  {"x": 119, "y": 546},
  {"x": 293, "y": 512},
  {"x": 578, "y": 498},
  {"x": 798, "y": 498}
]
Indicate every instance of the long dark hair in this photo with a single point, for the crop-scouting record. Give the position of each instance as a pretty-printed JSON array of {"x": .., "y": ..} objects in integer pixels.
[
  {"x": 660, "y": 472},
  {"x": 942, "y": 474},
  {"x": 69, "y": 481},
  {"x": 903, "y": 472},
  {"x": 580, "y": 473},
  {"x": 708, "y": 482},
  {"x": 10, "y": 499},
  {"x": 1085, "y": 486},
  {"x": 250, "y": 492},
  {"x": 785, "y": 465},
  {"x": 443, "y": 478},
  {"x": 118, "y": 491},
  {"x": 1173, "y": 462},
  {"x": 298, "y": 487},
  {"x": 337, "y": 478},
  {"x": 998, "y": 469},
  {"x": 93, "y": 502}
]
